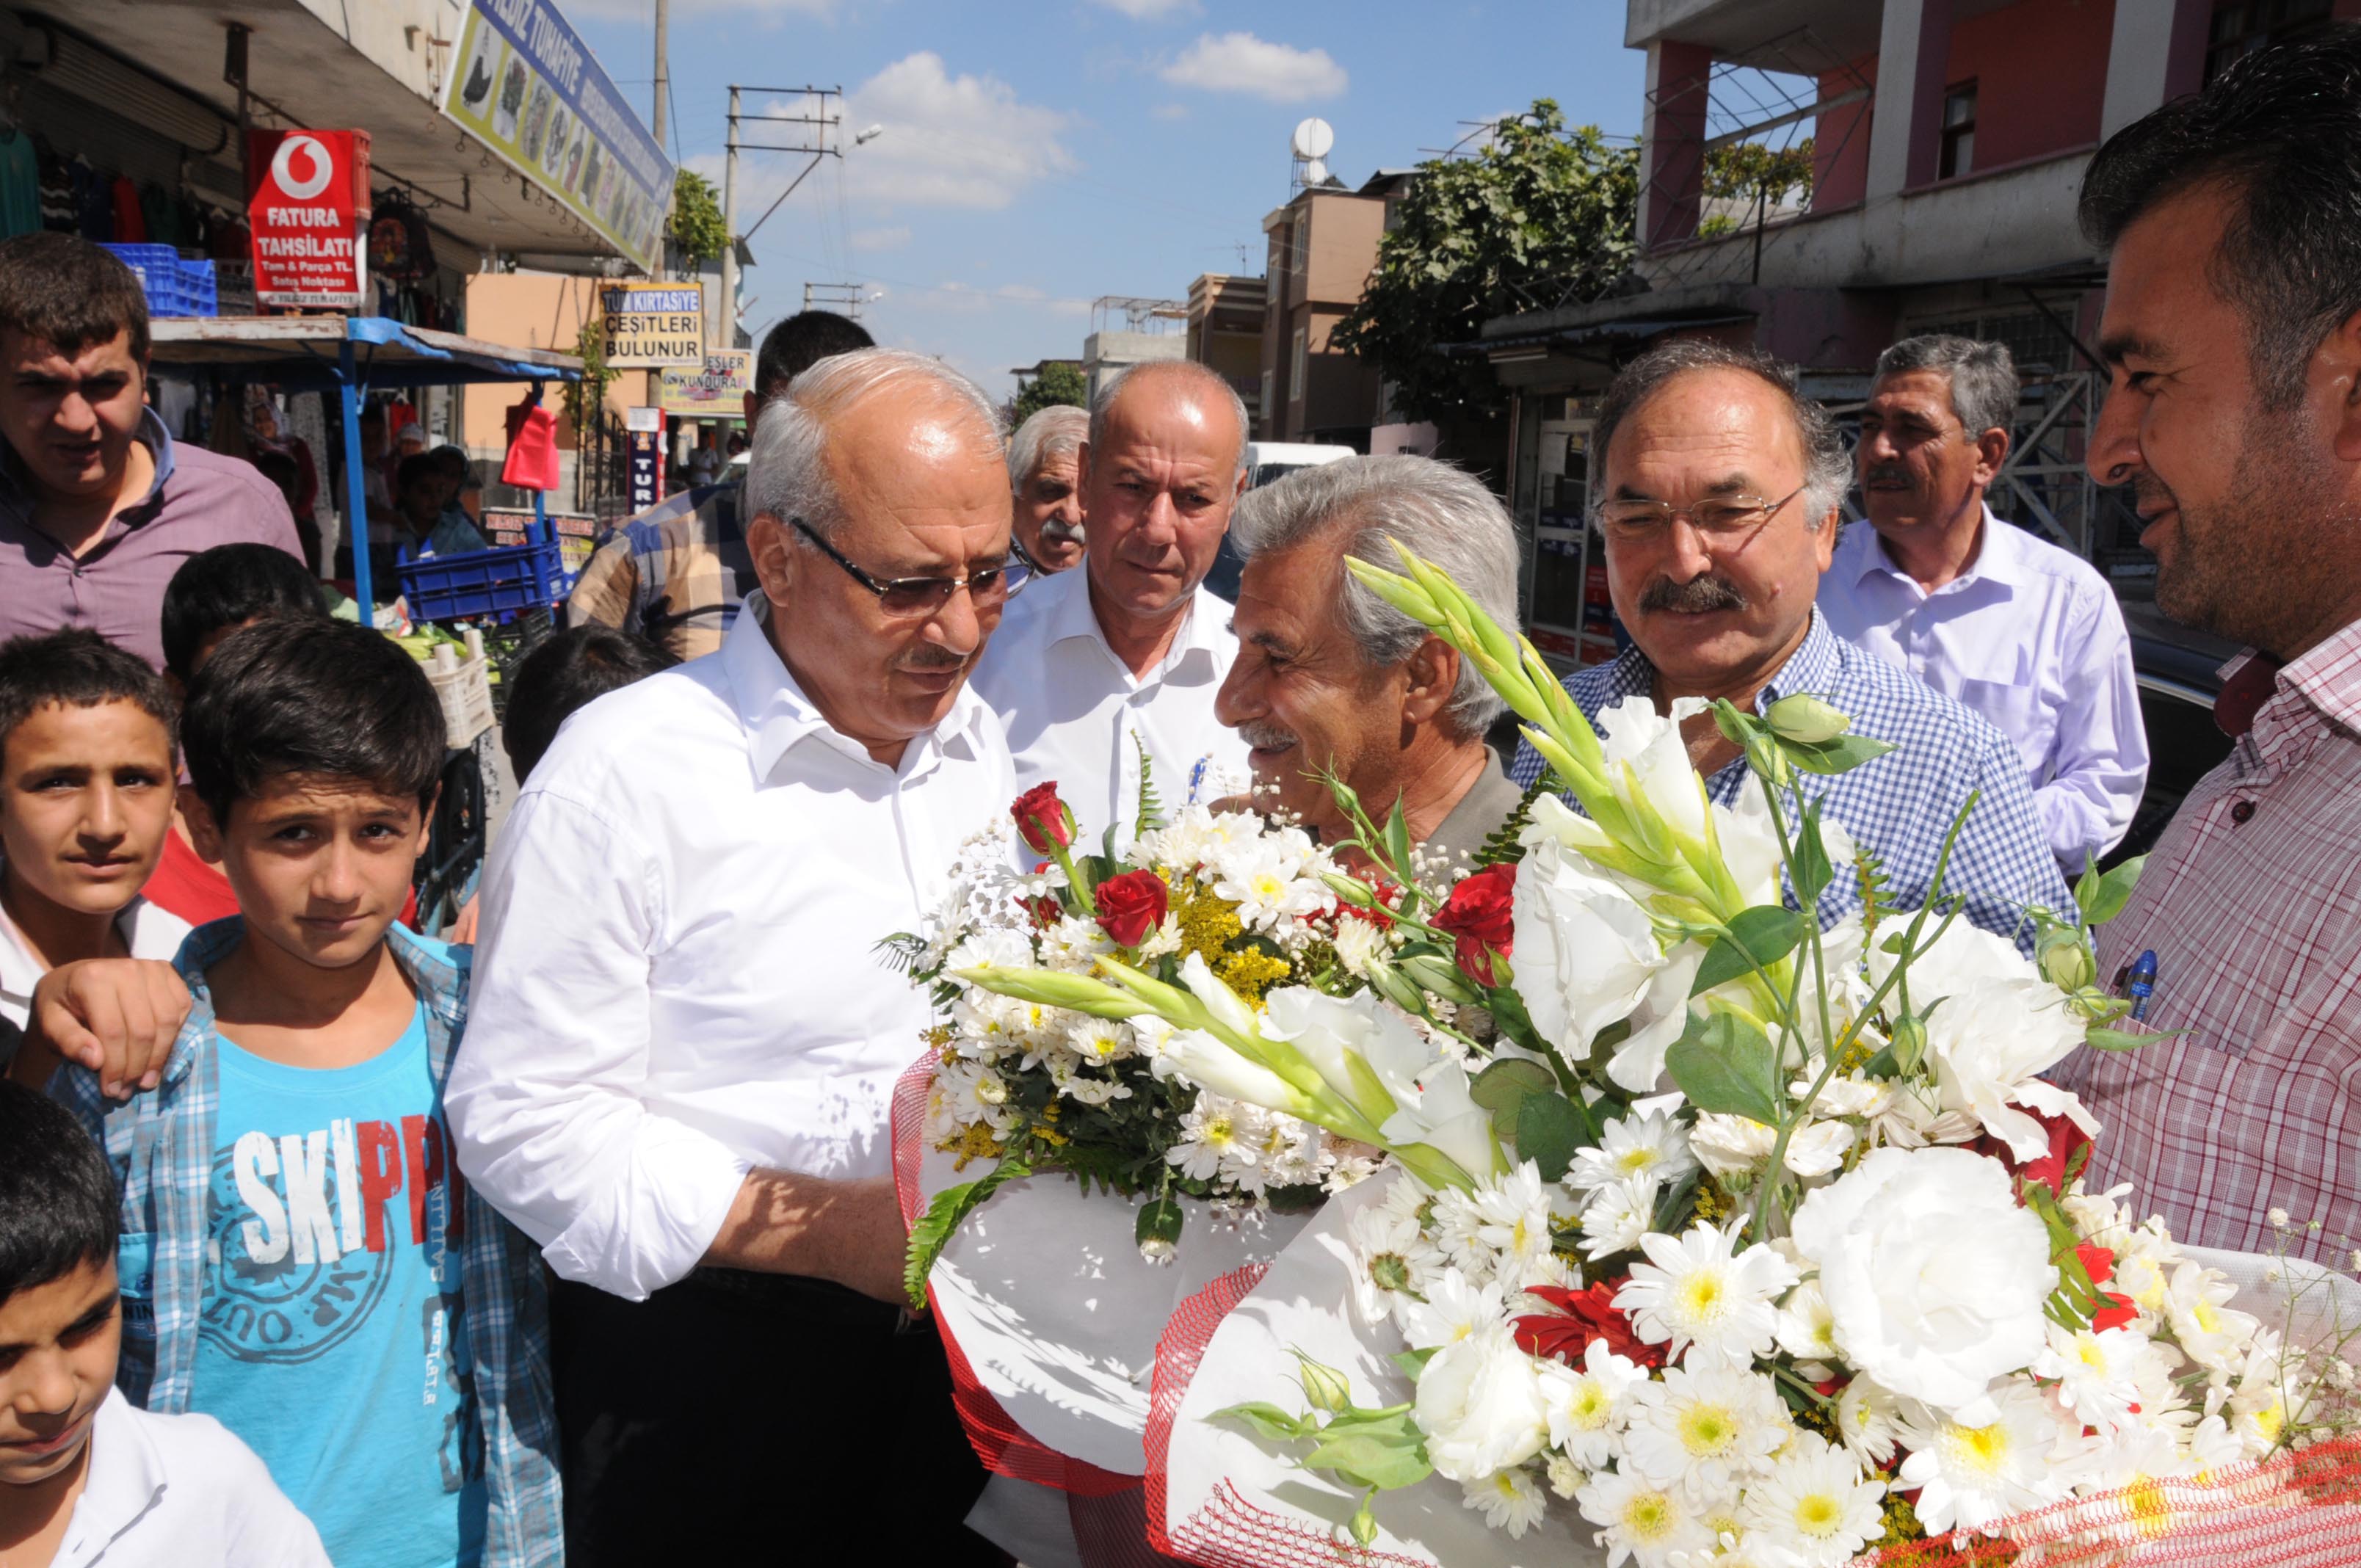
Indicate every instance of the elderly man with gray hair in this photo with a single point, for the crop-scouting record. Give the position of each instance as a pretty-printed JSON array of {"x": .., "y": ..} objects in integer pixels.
[
  {"x": 681, "y": 1052},
  {"x": 1718, "y": 496},
  {"x": 2025, "y": 633},
  {"x": 1330, "y": 679},
  {"x": 1044, "y": 477}
]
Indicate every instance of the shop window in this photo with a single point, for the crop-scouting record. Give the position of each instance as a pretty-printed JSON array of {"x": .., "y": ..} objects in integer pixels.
[
  {"x": 1959, "y": 154},
  {"x": 2245, "y": 26}
]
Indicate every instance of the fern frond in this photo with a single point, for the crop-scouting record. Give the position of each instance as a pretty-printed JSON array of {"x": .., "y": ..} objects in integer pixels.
[
  {"x": 901, "y": 951},
  {"x": 1876, "y": 891},
  {"x": 1500, "y": 848},
  {"x": 1151, "y": 809}
]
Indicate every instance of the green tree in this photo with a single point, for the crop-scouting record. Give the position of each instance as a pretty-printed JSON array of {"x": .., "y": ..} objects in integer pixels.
[
  {"x": 1543, "y": 216},
  {"x": 696, "y": 226},
  {"x": 1748, "y": 168},
  {"x": 1056, "y": 384}
]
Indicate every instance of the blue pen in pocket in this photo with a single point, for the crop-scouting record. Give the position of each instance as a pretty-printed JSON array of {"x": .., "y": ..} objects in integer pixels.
[{"x": 2142, "y": 983}]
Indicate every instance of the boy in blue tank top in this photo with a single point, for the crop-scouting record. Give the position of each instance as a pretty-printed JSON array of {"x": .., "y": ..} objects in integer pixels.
[{"x": 300, "y": 1258}]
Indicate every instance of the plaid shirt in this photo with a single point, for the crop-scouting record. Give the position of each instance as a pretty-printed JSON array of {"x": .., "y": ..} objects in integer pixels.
[
  {"x": 1903, "y": 804},
  {"x": 2252, "y": 904},
  {"x": 161, "y": 1147},
  {"x": 675, "y": 573}
]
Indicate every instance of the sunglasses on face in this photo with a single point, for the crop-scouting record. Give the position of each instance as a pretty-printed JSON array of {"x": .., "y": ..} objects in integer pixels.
[{"x": 990, "y": 586}]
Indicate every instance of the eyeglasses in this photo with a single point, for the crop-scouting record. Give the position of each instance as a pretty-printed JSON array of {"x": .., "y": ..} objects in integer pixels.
[
  {"x": 1718, "y": 518},
  {"x": 922, "y": 596}
]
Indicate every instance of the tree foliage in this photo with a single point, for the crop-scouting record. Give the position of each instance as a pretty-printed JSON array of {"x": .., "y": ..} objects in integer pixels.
[
  {"x": 1056, "y": 384},
  {"x": 1747, "y": 167},
  {"x": 1543, "y": 216},
  {"x": 696, "y": 226}
]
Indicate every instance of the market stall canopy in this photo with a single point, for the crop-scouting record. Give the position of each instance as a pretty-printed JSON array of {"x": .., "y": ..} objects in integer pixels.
[
  {"x": 492, "y": 114},
  {"x": 304, "y": 353}
]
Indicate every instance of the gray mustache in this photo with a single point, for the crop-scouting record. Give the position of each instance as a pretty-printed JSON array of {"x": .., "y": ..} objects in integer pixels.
[
  {"x": 1055, "y": 532},
  {"x": 1265, "y": 736},
  {"x": 1698, "y": 596}
]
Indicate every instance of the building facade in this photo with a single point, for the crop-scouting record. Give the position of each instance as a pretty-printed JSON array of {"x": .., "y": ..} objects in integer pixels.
[
  {"x": 1322, "y": 245},
  {"x": 1226, "y": 322}
]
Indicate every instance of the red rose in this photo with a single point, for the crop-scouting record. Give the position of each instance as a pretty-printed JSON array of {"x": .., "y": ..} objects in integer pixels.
[
  {"x": 1042, "y": 819},
  {"x": 1131, "y": 906},
  {"x": 1589, "y": 1315},
  {"x": 1478, "y": 913}
]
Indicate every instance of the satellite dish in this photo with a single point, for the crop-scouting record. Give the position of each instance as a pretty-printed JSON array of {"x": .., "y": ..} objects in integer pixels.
[
  {"x": 1313, "y": 138},
  {"x": 1315, "y": 172}
]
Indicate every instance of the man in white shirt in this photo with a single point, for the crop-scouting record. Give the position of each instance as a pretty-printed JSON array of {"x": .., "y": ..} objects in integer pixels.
[
  {"x": 1127, "y": 655},
  {"x": 2025, "y": 634},
  {"x": 682, "y": 1044}
]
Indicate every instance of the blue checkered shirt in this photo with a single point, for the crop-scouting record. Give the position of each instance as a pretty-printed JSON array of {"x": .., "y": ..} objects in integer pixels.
[
  {"x": 160, "y": 1145},
  {"x": 1900, "y": 805}
]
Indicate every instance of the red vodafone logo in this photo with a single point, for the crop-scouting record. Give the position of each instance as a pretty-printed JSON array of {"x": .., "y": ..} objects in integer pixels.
[{"x": 323, "y": 168}]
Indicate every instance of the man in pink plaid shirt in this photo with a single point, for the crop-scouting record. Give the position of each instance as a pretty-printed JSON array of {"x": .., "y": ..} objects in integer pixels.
[{"x": 2233, "y": 329}]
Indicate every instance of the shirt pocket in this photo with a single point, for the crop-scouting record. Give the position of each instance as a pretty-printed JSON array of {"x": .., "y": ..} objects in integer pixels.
[
  {"x": 135, "y": 1274},
  {"x": 2020, "y": 710}
]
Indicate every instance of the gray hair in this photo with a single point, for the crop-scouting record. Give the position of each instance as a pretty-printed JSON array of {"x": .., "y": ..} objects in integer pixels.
[
  {"x": 1827, "y": 467},
  {"x": 1433, "y": 508},
  {"x": 1983, "y": 376},
  {"x": 1058, "y": 431},
  {"x": 788, "y": 475},
  {"x": 1208, "y": 379}
]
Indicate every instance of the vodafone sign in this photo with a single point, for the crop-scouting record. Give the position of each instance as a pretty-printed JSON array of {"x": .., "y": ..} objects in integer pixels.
[{"x": 308, "y": 205}]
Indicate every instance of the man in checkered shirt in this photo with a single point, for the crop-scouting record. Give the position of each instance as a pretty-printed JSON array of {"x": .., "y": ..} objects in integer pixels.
[
  {"x": 675, "y": 573},
  {"x": 2233, "y": 329},
  {"x": 1720, "y": 492}
]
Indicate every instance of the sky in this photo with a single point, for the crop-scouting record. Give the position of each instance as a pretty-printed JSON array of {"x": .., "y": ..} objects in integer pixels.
[{"x": 1038, "y": 154}]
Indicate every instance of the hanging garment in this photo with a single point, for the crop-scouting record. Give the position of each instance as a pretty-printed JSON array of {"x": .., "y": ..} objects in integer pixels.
[
  {"x": 130, "y": 223},
  {"x": 20, "y": 184}
]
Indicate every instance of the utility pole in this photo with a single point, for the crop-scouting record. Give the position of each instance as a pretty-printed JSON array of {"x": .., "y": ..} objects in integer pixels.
[
  {"x": 730, "y": 230},
  {"x": 815, "y": 142},
  {"x": 664, "y": 73},
  {"x": 844, "y": 299}
]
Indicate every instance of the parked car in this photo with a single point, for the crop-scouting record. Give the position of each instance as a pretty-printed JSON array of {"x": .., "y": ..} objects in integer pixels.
[
  {"x": 1266, "y": 461},
  {"x": 2179, "y": 674}
]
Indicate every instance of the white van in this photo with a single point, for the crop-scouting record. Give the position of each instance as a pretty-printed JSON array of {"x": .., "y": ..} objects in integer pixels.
[{"x": 1266, "y": 461}]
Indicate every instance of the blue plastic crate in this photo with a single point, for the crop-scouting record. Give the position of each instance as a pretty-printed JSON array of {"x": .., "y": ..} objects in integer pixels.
[
  {"x": 495, "y": 584},
  {"x": 173, "y": 287}
]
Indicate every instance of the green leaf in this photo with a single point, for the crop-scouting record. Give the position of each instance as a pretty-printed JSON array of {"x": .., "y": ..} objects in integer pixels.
[
  {"x": 1811, "y": 874},
  {"x": 1150, "y": 811},
  {"x": 1840, "y": 756},
  {"x": 2101, "y": 895},
  {"x": 934, "y": 1229},
  {"x": 1267, "y": 1419},
  {"x": 1397, "y": 839},
  {"x": 1757, "y": 938},
  {"x": 2124, "y": 1040},
  {"x": 1413, "y": 1361},
  {"x": 1725, "y": 1064},
  {"x": 1505, "y": 1085},
  {"x": 1549, "y": 1130},
  {"x": 1382, "y": 1449}
]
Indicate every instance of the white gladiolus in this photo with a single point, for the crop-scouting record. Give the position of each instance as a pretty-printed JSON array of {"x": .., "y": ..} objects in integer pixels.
[
  {"x": 1585, "y": 951},
  {"x": 1442, "y": 1115},
  {"x": 1934, "y": 1273},
  {"x": 1330, "y": 1030}
]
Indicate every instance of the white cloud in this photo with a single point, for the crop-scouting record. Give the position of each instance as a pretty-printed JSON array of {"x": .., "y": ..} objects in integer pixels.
[
  {"x": 879, "y": 239},
  {"x": 1241, "y": 62},
  {"x": 1019, "y": 292},
  {"x": 950, "y": 142},
  {"x": 1152, "y": 10},
  {"x": 640, "y": 10}
]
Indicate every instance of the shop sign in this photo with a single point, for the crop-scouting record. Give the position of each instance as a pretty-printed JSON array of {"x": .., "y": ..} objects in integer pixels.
[
  {"x": 525, "y": 85},
  {"x": 307, "y": 203},
  {"x": 652, "y": 324},
  {"x": 717, "y": 390},
  {"x": 646, "y": 460}
]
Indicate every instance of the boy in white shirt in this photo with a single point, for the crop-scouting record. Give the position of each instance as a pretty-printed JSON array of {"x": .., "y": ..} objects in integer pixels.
[{"x": 86, "y": 1477}]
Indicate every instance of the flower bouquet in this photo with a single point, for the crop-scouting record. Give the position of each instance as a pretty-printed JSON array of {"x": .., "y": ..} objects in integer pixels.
[{"x": 1738, "y": 1241}]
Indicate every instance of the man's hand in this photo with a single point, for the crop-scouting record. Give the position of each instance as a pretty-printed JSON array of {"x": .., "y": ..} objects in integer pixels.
[
  {"x": 118, "y": 1017},
  {"x": 850, "y": 1232}
]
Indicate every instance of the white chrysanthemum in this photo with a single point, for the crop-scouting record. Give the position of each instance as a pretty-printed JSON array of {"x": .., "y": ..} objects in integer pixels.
[
  {"x": 1868, "y": 1420},
  {"x": 1510, "y": 1500},
  {"x": 1213, "y": 1135},
  {"x": 1391, "y": 1259},
  {"x": 1730, "y": 1146},
  {"x": 1653, "y": 1146},
  {"x": 1807, "y": 1330},
  {"x": 1457, "y": 1227},
  {"x": 1618, "y": 1215},
  {"x": 2208, "y": 1331},
  {"x": 1971, "y": 1477},
  {"x": 2100, "y": 1373},
  {"x": 1265, "y": 878},
  {"x": 969, "y": 1093},
  {"x": 1455, "y": 1307},
  {"x": 1512, "y": 1218},
  {"x": 1640, "y": 1521},
  {"x": 1586, "y": 1404},
  {"x": 1705, "y": 1430},
  {"x": 1479, "y": 1402},
  {"x": 1074, "y": 944},
  {"x": 1086, "y": 1086},
  {"x": 1359, "y": 944},
  {"x": 1937, "y": 1277},
  {"x": 1815, "y": 1504},
  {"x": 1294, "y": 1154},
  {"x": 1098, "y": 1042},
  {"x": 1692, "y": 1291},
  {"x": 993, "y": 945}
]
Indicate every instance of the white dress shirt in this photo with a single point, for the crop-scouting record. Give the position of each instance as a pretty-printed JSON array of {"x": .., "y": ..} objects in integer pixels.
[
  {"x": 180, "y": 1492},
  {"x": 678, "y": 979},
  {"x": 2030, "y": 637},
  {"x": 149, "y": 931},
  {"x": 1072, "y": 708}
]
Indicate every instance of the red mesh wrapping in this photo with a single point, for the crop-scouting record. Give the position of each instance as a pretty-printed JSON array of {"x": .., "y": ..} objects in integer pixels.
[
  {"x": 999, "y": 1441},
  {"x": 1229, "y": 1532},
  {"x": 2294, "y": 1510}
]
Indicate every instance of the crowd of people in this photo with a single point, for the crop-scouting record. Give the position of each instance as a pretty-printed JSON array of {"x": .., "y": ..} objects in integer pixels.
[{"x": 323, "y": 1238}]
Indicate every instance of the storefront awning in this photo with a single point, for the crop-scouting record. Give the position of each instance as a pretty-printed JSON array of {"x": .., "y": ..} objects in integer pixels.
[
  {"x": 304, "y": 353},
  {"x": 1521, "y": 345}
]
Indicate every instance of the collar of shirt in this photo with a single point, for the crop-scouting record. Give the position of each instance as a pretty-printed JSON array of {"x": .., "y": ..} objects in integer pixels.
[
  {"x": 1811, "y": 668},
  {"x": 1861, "y": 554},
  {"x": 126, "y": 1482},
  {"x": 151, "y": 433},
  {"x": 778, "y": 717},
  {"x": 1195, "y": 654},
  {"x": 2279, "y": 709},
  {"x": 148, "y": 931}
]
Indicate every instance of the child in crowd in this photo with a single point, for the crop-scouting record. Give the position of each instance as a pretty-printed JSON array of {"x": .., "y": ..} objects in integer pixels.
[
  {"x": 85, "y": 1473},
  {"x": 300, "y": 1258},
  {"x": 212, "y": 594},
  {"x": 566, "y": 673},
  {"x": 86, "y": 782}
]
